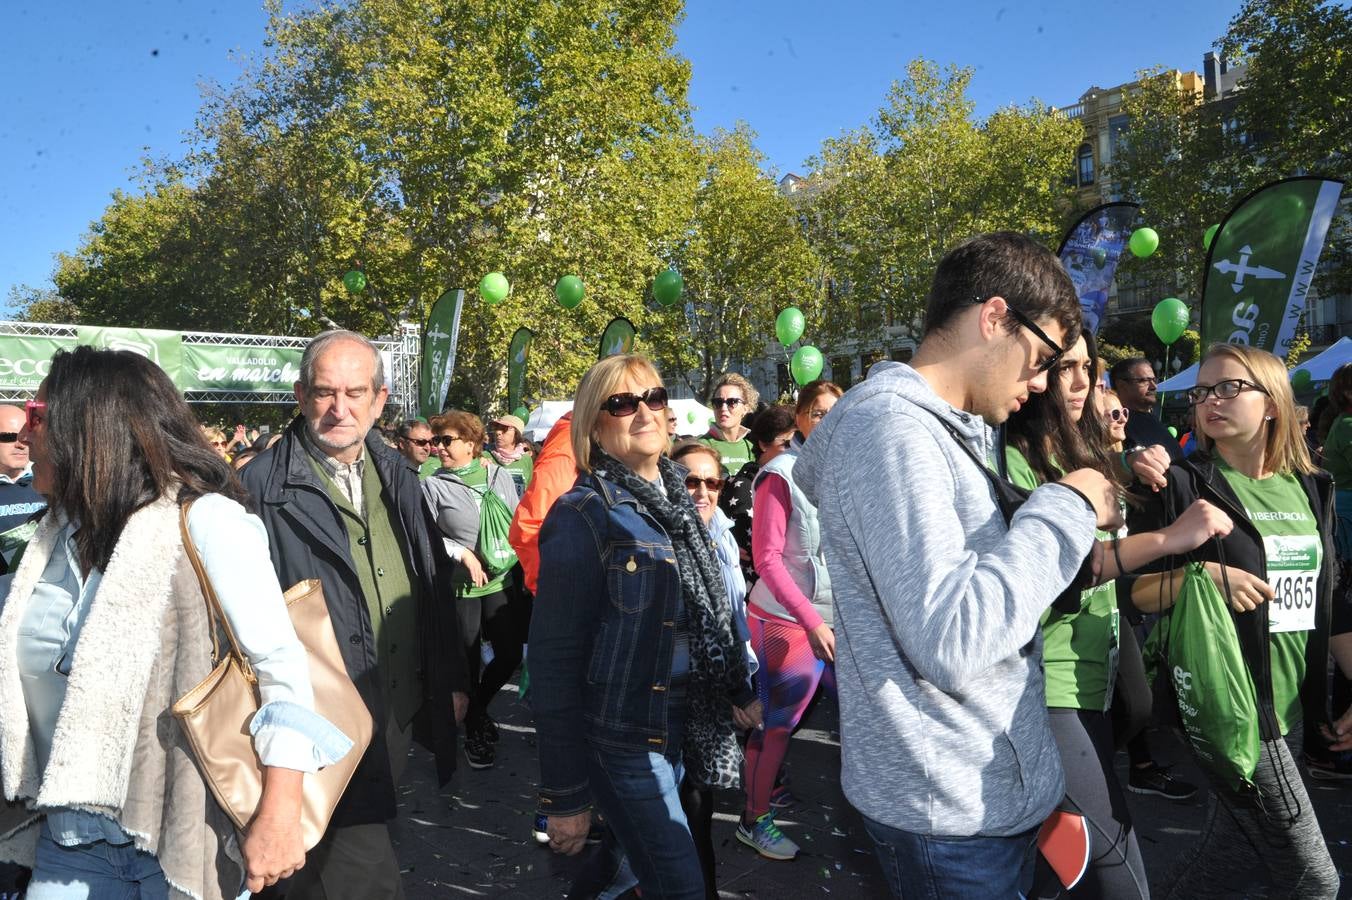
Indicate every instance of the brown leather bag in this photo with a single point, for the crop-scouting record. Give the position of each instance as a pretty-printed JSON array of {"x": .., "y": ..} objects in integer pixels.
[{"x": 215, "y": 714}]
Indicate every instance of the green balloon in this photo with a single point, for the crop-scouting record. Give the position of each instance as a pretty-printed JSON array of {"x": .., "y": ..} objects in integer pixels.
[
  {"x": 1143, "y": 242},
  {"x": 494, "y": 287},
  {"x": 522, "y": 413},
  {"x": 789, "y": 325},
  {"x": 1169, "y": 319},
  {"x": 690, "y": 417},
  {"x": 1209, "y": 236},
  {"x": 568, "y": 291},
  {"x": 355, "y": 281},
  {"x": 1300, "y": 379},
  {"x": 667, "y": 287},
  {"x": 806, "y": 364},
  {"x": 1173, "y": 432},
  {"x": 1100, "y": 257}
]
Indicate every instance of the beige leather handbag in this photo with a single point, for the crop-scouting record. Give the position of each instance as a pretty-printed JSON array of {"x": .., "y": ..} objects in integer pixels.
[{"x": 215, "y": 715}]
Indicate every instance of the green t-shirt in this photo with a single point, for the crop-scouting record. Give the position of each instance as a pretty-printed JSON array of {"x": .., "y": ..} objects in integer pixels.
[
  {"x": 520, "y": 469},
  {"x": 1338, "y": 452},
  {"x": 1079, "y": 649},
  {"x": 1278, "y": 508},
  {"x": 733, "y": 454},
  {"x": 430, "y": 467}
]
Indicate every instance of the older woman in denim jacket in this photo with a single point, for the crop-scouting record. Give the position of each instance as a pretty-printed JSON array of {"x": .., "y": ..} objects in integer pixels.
[{"x": 632, "y": 637}]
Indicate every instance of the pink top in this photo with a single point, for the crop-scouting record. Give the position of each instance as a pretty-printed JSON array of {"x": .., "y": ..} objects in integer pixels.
[{"x": 770, "y": 520}]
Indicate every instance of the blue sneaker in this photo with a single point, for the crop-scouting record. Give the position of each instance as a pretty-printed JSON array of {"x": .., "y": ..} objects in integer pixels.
[
  {"x": 765, "y": 838},
  {"x": 541, "y": 829}
]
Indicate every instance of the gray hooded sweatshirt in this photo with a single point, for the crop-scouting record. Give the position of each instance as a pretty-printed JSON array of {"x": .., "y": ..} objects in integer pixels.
[{"x": 944, "y": 727}]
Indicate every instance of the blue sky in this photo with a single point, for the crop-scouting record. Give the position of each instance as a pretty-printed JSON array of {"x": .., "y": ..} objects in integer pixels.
[{"x": 90, "y": 87}]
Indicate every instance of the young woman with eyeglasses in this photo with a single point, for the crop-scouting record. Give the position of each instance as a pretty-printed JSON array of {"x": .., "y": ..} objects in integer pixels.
[
  {"x": 1082, "y": 642},
  {"x": 489, "y": 607},
  {"x": 635, "y": 662},
  {"x": 1277, "y": 571},
  {"x": 733, "y": 399},
  {"x": 789, "y": 615}
]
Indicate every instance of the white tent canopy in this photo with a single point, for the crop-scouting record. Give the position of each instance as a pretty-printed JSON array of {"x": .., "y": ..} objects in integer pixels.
[
  {"x": 692, "y": 417},
  {"x": 1180, "y": 382}
]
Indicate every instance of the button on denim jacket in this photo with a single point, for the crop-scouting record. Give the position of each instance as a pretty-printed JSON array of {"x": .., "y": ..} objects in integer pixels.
[{"x": 601, "y": 637}]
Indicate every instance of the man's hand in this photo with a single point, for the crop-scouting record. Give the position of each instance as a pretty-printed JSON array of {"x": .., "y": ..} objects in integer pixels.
[
  {"x": 272, "y": 847},
  {"x": 568, "y": 834},
  {"x": 459, "y": 705},
  {"x": 1198, "y": 524},
  {"x": 1150, "y": 465},
  {"x": 1101, "y": 493},
  {"x": 1247, "y": 590},
  {"x": 822, "y": 640},
  {"x": 475, "y": 568}
]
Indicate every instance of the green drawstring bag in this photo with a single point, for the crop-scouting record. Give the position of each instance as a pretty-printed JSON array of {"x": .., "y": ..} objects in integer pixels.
[
  {"x": 1197, "y": 645},
  {"x": 495, "y": 520}
]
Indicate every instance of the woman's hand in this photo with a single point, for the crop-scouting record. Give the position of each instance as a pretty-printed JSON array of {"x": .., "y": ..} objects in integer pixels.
[
  {"x": 750, "y": 716},
  {"x": 470, "y": 561},
  {"x": 1198, "y": 524},
  {"x": 1340, "y": 737},
  {"x": 823, "y": 642},
  {"x": 272, "y": 846},
  {"x": 1247, "y": 590},
  {"x": 568, "y": 834}
]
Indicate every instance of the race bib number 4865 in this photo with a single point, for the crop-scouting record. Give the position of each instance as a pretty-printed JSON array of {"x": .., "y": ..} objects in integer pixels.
[{"x": 1293, "y": 572}]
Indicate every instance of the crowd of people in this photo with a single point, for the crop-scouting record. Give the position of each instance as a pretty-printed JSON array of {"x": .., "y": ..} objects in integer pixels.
[{"x": 965, "y": 553}]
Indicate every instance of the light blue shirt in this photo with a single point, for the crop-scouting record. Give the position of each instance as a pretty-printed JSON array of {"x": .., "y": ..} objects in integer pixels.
[{"x": 233, "y": 546}]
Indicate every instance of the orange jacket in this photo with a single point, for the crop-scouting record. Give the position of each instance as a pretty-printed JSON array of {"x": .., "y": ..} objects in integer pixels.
[{"x": 555, "y": 474}]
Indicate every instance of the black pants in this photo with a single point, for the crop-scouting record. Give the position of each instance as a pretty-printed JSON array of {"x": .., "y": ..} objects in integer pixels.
[
  {"x": 503, "y": 619},
  {"x": 1084, "y": 739}
]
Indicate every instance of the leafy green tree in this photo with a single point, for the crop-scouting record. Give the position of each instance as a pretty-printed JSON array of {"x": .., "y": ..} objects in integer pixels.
[
  {"x": 925, "y": 175},
  {"x": 744, "y": 257},
  {"x": 31, "y": 304}
]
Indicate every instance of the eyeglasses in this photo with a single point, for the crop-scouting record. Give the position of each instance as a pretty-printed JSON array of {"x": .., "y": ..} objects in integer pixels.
[
  {"x": 1143, "y": 379},
  {"x": 8, "y": 437},
  {"x": 218, "y": 444},
  {"x": 622, "y": 405},
  {"x": 445, "y": 440},
  {"x": 419, "y": 442},
  {"x": 36, "y": 413},
  {"x": 1228, "y": 389},
  {"x": 671, "y": 420},
  {"x": 729, "y": 402},
  {"x": 712, "y": 485},
  {"x": 1057, "y": 350},
  {"x": 1120, "y": 414}
]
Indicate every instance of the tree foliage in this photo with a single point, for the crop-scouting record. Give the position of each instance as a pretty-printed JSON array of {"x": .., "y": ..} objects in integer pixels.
[{"x": 925, "y": 175}]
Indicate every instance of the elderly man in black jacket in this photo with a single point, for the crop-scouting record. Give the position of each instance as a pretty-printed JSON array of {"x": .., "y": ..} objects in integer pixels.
[{"x": 341, "y": 507}]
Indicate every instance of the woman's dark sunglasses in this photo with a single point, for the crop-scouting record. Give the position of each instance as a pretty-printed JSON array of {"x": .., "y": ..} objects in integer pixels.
[
  {"x": 714, "y": 485},
  {"x": 730, "y": 402},
  {"x": 444, "y": 440},
  {"x": 621, "y": 405}
]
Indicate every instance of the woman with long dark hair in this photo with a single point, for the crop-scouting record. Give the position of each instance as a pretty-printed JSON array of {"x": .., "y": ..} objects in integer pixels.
[
  {"x": 104, "y": 626},
  {"x": 1058, "y": 431}
]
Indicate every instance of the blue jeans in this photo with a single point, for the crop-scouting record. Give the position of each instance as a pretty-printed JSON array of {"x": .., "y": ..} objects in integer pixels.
[
  {"x": 98, "y": 871},
  {"x": 929, "y": 867},
  {"x": 639, "y": 795}
]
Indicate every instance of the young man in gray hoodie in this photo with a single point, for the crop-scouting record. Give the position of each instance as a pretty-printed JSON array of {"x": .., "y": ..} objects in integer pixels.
[{"x": 945, "y": 744}]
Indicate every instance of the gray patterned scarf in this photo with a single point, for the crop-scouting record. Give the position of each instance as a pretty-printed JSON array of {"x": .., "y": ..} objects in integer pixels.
[{"x": 717, "y": 665}]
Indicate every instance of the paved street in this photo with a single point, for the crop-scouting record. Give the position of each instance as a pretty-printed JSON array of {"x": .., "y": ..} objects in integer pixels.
[{"x": 474, "y": 839}]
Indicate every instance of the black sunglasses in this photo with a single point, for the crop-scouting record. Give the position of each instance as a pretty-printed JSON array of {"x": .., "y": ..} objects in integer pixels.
[
  {"x": 621, "y": 405},
  {"x": 720, "y": 402},
  {"x": 714, "y": 485},
  {"x": 444, "y": 440},
  {"x": 1057, "y": 350},
  {"x": 8, "y": 437},
  {"x": 419, "y": 442}
]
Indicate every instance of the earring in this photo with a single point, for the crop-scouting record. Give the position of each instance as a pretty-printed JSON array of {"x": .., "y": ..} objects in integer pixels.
[{"x": 1267, "y": 418}]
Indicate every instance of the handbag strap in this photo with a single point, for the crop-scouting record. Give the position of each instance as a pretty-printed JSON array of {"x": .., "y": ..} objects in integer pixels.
[{"x": 215, "y": 614}]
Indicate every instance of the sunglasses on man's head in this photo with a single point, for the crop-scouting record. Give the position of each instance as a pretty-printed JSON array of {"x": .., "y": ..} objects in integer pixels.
[
  {"x": 713, "y": 485},
  {"x": 622, "y": 405}
]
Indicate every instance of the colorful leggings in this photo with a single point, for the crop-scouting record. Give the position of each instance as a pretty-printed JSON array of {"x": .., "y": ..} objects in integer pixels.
[{"x": 787, "y": 680}]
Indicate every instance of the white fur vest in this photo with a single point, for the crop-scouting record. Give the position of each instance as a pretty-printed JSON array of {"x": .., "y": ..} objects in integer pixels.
[{"x": 117, "y": 750}]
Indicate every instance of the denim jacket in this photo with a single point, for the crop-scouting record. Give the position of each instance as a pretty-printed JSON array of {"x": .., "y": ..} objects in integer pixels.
[{"x": 601, "y": 637}]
